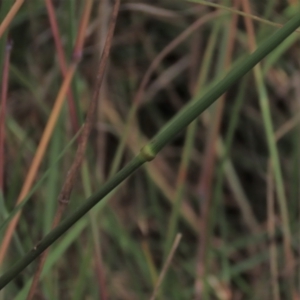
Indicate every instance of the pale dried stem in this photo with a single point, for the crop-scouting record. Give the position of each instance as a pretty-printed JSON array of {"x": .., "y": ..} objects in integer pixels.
[
  {"x": 10, "y": 15},
  {"x": 166, "y": 266}
]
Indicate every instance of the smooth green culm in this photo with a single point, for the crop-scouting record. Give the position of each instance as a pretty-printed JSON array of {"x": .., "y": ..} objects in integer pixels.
[
  {"x": 51, "y": 237},
  {"x": 164, "y": 136},
  {"x": 194, "y": 109}
]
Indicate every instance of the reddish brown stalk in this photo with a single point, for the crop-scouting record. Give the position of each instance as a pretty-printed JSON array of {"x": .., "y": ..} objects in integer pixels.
[
  {"x": 3, "y": 110},
  {"x": 62, "y": 62},
  {"x": 208, "y": 170},
  {"x": 69, "y": 183},
  {"x": 64, "y": 196},
  {"x": 103, "y": 9}
]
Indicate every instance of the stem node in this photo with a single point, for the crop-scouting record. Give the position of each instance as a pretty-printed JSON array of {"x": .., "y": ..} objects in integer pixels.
[{"x": 147, "y": 153}]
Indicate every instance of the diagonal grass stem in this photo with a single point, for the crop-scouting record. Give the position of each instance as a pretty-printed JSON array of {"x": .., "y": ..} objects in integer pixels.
[{"x": 168, "y": 132}]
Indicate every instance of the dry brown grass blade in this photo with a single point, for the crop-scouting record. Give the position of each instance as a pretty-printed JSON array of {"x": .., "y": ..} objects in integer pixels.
[
  {"x": 77, "y": 53},
  {"x": 10, "y": 15},
  {"x": 3, "y": 110},
  {"x": 64, "y": 196}
]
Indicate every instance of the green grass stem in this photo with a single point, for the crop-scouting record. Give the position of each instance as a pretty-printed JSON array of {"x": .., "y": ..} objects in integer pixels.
[{"x": 167, "y": 134}]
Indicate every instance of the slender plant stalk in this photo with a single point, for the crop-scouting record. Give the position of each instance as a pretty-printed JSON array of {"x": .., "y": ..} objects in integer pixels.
[
  {"x": 274, "y": 155},
  {"x": 146, "y": 78},
  {"x": 154, "y": 170},
  {"x": 72, "y": 174},
  {"x": 150, "y": 262},
  {"x": 10, "y": 15},
  {"x": 206, "y": 179},
  {"x": 166, "y": 266},
  {"x": 170, "y": 47},
  {"x": 5, "y": 6},
  {"x": 218, "y": 190},
  {"x": 240, "y": 13},
  {"x": 72, "y": 25},
  {"x": 62, "y": 62},
  {"x": 236, "y": 187},
  {"x": 147, "y": 153},
  {"x": 104, "y": 6},
  {"x": 192, "y": 110},
  {"x": 180, "y": 186},
  {"x": 95, "y": 234},
  {"x": 3, "y": 110},
  {"x": 37, "y": 159},
  {"x": 207, "y": 173},
  {"x": 39, "y": 182},
  {"x": 44, "y": 141},
  {"x": 271, "y": 232},
  {"x": 191, "y": 132},
  {"x": 63, "y": 198}
]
